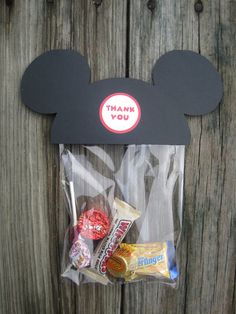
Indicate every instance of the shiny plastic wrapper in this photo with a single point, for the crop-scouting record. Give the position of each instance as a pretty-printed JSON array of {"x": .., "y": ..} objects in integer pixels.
[{"x": 125, "y": 210}]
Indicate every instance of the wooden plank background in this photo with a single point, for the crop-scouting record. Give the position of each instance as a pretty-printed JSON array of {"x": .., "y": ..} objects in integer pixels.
[{"x": 119, "y": 38}]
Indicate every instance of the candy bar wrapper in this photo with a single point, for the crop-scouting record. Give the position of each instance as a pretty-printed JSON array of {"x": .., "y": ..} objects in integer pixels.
[
  {"x": 120, "y": 225},
  {"x": 125, "y": 209},
  {"x": 131, "y": 261}
]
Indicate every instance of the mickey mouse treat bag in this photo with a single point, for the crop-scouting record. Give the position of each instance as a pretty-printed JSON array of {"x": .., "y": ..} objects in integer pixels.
[{"x": 124, "y": 201}]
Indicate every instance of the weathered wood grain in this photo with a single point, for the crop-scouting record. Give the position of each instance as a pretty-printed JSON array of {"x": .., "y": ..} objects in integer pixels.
[
  {"x": 210, "y": 219},
  {"x": 119, "y": 38},
  {"x": 29, "y": 171}
]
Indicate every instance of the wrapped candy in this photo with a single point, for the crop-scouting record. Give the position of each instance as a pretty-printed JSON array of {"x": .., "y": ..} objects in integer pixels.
[
  {"x": 93, "y": 224},
  {"x": 79, "y": 254}
]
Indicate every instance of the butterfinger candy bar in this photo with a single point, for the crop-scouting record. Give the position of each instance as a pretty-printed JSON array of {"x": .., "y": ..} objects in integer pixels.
[
  {"x": 120, "y": 225},
  {"x": 131, "y": 261}
]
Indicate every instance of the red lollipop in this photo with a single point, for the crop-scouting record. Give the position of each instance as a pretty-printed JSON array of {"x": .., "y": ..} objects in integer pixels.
[{"x": 93, "y": 224}]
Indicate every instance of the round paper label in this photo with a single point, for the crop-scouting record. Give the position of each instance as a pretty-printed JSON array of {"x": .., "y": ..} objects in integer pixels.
[{"x": 120, "y": 113}]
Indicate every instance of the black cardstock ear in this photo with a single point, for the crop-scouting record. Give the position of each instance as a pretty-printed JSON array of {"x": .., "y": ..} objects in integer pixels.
[
  {"x": 54, "y": 80},
  {"x": 190, "y": 80}
]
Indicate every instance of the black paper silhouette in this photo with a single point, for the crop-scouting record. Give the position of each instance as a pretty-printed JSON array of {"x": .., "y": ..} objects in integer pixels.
[{"x": 184, "y": 82}]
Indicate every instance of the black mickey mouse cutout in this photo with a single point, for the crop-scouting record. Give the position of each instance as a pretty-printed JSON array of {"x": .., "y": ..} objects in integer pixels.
[{"x": 122, "y": 110}]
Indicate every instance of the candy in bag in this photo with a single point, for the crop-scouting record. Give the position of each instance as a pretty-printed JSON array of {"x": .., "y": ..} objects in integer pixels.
[{"x": 123, "y": 198}]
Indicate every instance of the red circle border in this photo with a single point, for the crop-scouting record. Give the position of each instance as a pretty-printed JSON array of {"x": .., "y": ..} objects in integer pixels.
[{"x": 112, "y": 130}]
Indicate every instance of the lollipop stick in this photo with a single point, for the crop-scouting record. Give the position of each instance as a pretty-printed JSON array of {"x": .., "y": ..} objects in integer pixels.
[
  {"x": 73, "y": 205},
  {"x": 69, "y": 174}
]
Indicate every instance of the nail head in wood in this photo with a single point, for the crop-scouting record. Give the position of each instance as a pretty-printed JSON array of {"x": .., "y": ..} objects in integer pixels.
[
  {"x": 198, "y": 6},
  {"x": 151, "y": 5},
  {"x": 97, "y": 3},
  {"x": 9, "y": 2}
]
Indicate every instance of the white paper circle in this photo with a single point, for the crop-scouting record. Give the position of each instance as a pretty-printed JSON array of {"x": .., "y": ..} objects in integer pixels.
[{"x": 120, "y": 113}]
